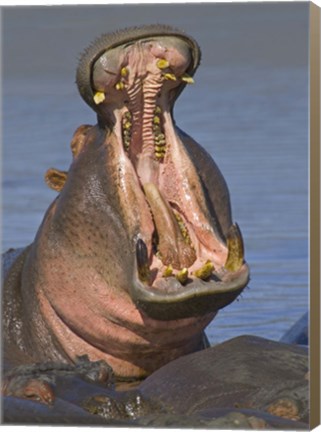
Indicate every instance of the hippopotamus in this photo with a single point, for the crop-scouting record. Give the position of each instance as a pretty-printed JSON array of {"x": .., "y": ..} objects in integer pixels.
[
  {"x": 244, "y": 383},
  {"x": 138, "y": 251}
]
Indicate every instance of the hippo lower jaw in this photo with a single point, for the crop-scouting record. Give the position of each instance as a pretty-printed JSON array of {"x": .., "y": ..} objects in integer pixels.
[
  {"x": 185, "y": 265},
  {"x": 203, "y": 291},
  {"x": 194, "y": 299}
]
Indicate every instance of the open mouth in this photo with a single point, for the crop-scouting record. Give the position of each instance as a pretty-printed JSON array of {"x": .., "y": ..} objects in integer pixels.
[{"x": 185, "y": 264}]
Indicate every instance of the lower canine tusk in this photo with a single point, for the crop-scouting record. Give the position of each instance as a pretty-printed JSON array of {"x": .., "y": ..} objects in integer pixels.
[
  {"x": 142, "y": 261},
  {"x": 235, "y": 258}
]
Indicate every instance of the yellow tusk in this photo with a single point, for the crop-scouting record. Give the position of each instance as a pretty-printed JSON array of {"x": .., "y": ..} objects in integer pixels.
[
  {"x": 159, "y": 155},
  {"x": 168, "y": 271},
  {"x": 56, "y": 179},
  {"x": 127, "y": 125},
  {"x": 205, "y": 271},
  {"x": 160, "y": 149},
  {"x": 124, "y": 72},
  {"x": 182, "y": 276},
  {"x": 99, "y": 97},
  {"x": 235, "y": 257},
  {"x": 170, "y": 76},
  {"x": 119, "y": 86},
  {"x": 188, "y": 79},
  {"x": 162, "y": 64}
]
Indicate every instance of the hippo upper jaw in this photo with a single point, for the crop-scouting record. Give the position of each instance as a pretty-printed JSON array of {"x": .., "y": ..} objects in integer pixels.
[{"x": 189, "y": 256}]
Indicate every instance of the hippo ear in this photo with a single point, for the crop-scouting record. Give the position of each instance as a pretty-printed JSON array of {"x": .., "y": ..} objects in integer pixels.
[
  {"x": 78, "y": 139},
  {"x": 56, "y": 179}
]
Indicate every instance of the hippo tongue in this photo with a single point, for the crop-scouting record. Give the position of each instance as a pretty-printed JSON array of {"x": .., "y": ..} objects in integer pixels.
[{"x": 172, "y": 247}]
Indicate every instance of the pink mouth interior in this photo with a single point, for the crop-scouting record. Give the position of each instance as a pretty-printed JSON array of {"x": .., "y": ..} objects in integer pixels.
[{"x": 139, "y": 82}]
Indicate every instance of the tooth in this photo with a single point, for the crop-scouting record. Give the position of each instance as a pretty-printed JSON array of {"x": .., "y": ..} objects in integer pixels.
[
  {"x": 156, "y": 120},
  {"x": 56, "y": 179},
  {"x": 159, "y": 155},
  {"x": 171, "y": 244},
  {"x": 188, "y": 79},
  {"x": 162, "y": 64},
  {"x": 158, "y": 110},
  {"x": 159, "y": 140},
  {"x": 160, "y": 136},
  {"x": 124, "y": 72},
  {"x": 205, "y": 271},
  {"x": 182, "y": 276},
  {"x": 119, "y": 86},
  {"x": 156, "y": 128},
  {"x": 170, "y": 76},
  {"x": 142, "y": 261},
  {"x": 99, "y": 97},
  {"x": 168, "y": 271},
  {"x": 235, "y": 247},
  {"x": 160, "y": 148},
  {"x": 182, "y": 227},
  {"x": 127, "y": 125}
]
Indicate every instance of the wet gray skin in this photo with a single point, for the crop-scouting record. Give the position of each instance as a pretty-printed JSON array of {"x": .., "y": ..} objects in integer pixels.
[{"x": 138, "y": 252}]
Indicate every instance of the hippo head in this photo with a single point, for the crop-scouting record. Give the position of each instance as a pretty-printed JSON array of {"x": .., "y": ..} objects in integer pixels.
[{"x": 184, "y": 256}]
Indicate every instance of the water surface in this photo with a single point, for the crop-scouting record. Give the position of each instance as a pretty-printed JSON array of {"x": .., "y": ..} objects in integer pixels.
[{"x": 248, "y": 108}]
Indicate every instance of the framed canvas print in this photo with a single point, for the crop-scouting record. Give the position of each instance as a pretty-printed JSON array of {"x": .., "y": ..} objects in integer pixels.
[{"x": 160, "y": 215}]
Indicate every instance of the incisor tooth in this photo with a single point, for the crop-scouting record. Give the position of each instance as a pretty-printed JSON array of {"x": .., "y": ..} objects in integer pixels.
[
  {"x": 124, "y": 72},
  {"x": 56, "y": 179},
  {"x": 170, "y": 76},
  {"x": 182, "y": 276},
  {"x": 162, "y": 64},
  {"x": 119, "y": 86},
  {"x": 205, "y": 271},
  {"x": 159, "y": 155},
  {"x": 99, "y": 97},
  {"x": 188, "y": 79},
  {"x": 235, "y": 257},
  {"x": 127, "y": 125},
  {"x": 168, "y": 271},
  {"x": 160, "y": 148}
]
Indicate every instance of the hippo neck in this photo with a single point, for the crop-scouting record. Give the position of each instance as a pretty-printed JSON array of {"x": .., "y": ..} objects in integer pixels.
[{"x": 88, "y": 265}]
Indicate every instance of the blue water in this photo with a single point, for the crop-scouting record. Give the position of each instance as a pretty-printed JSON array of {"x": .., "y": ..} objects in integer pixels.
[{"x": 248, "y": 108}]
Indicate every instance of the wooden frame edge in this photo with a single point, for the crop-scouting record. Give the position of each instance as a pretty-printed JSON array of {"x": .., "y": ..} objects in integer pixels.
[{"x": 314, "y": 117}]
